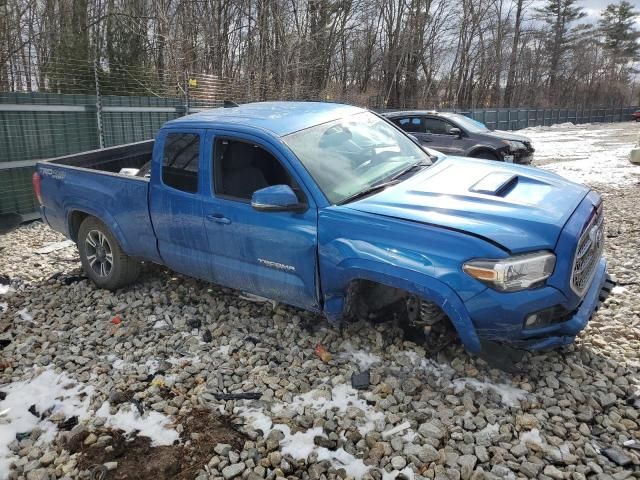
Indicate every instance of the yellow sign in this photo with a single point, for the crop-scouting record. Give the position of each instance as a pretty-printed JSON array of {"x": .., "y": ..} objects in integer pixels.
[{"x": 193, "y": 83}]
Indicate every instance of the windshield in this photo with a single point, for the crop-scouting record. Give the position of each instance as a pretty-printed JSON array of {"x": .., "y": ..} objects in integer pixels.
[
  {"x": 469, "y": 124},
  {"x": 353, "y": 154}
]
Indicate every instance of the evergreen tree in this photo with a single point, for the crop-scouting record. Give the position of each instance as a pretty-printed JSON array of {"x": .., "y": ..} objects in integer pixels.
[
  {"x": 617, "y": 26},
  {"x": 559, "y": 15}
]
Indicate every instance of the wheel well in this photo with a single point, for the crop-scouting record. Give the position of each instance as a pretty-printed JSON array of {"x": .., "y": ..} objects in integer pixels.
[
  {"x": 77, "y": 217},
  {"x": 366, "y": 299},
  {"x": 480, "y": 151}
]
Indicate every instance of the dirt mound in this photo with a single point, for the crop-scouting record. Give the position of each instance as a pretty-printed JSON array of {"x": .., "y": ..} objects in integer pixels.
[{"x": 138, "y": 459}]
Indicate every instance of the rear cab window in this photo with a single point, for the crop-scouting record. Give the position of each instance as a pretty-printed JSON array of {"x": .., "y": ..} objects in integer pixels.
[{"x": 181, "y": 161}]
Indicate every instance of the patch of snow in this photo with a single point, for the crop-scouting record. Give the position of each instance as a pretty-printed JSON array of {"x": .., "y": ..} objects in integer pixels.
[
  {"x": 300, "y": 445},
  {"x": 48, "y": 393},
  {"x": 406, "y": 473},
  {"x": 258, "y": 420},
  {"x": 509, "y": 395},
  {"x": 340, "y": 398},
  {"x": 364, "y": 360},
  {"x": 151, "y": 424},
  {"x": 340, "y": 458},
  {"x": 52, "y": 247},
  {"x": 427, "y": 365},
  {"x": 24, "y": 315},
  {"x": 152, "y": 365},
  {"x": 532, "y": 436},
  {"x": 160, "y": 324},
  {"x": 410, "y": 436},
  {"x": 584, "y": 154},
  {"x": 3, "y": 307},
  {"x": 4, "y": 289},
  {"x": 617, "y": 290},
  {"x": 224, "y": 349}
]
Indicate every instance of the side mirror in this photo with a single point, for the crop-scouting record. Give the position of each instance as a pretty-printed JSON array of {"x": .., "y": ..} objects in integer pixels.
[
  {"x": 276, "y": 198},
  {"x": 456, "y": 132}
]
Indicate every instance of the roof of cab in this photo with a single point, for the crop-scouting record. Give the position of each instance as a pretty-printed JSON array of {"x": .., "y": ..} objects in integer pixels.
[{"x": 280, "y": 118}]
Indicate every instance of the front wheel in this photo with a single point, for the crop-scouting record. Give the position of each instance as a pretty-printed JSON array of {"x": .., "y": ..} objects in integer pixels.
[
  {"x": 102, "y": 259},
  {"x": 486, "y": 155}
]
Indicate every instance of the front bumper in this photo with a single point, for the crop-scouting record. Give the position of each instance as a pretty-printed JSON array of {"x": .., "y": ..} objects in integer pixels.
[
  {"x": 520, "y": 157},
  {"x": 500, "y": 317}
]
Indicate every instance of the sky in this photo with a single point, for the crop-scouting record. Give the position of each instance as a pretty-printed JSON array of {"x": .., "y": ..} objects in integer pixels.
[{"x": 593, "y": 8}]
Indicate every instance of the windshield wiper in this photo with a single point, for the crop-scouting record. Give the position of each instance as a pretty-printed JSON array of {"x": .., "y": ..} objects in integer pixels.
[
  {"x": 370, "y": 190},
  {"x": 387, "y": 183},
  {"x": 414, "y": 167}
]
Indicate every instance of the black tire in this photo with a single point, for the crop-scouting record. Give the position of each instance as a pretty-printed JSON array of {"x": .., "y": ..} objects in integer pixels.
[
  {"x": 102, "y": 259},
  {"x": 486, "y": 155}
]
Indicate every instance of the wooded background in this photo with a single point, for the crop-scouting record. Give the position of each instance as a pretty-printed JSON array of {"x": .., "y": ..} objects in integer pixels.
[{"x": 381, "y": 53}]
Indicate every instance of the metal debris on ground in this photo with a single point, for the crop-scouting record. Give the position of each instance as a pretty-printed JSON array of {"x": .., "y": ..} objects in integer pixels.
[
  {"x": 361, "y": 380},
  {"x": 206, "y": 336},
  {"x": 238, "y": 396},
  {"x": 194, "y": 323}
]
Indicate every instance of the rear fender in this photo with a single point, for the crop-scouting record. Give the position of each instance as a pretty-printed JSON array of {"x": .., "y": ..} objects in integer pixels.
[
  {"x": 104, "y": 216},
  {"x": 424, "y": 286}
]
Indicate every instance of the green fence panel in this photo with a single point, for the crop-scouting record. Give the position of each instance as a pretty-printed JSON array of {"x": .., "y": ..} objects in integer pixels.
[{"x": 44, "y": 125}]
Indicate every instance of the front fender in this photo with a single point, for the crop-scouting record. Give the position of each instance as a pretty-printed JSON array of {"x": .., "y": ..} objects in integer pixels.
[
  {"x": 413, "y": 282},
  {"x": 425, "y": 260}
]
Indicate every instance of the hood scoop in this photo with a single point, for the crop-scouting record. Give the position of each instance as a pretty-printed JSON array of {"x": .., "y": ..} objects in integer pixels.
[{"x": 496, "y": 183}]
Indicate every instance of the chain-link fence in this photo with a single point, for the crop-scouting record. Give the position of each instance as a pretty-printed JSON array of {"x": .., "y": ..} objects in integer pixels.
[{"x": 71, "y": 107}]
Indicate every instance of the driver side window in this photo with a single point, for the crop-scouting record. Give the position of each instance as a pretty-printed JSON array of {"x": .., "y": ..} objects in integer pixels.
[{"x": 241, "y": 168}]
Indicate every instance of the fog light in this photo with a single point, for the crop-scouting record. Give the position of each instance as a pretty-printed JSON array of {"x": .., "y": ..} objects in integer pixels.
[{"x": 548, "y": 316}]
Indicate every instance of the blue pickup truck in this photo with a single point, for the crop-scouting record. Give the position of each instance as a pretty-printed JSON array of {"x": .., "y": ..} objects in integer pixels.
[{"x": 333, "y": 209}]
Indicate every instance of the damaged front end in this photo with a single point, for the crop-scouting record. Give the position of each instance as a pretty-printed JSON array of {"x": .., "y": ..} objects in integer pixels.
[{"x": 422, "y": 321}]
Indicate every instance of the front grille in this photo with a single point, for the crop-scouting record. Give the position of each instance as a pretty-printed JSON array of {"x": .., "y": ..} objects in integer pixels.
[{"x": 588, "y": 252}]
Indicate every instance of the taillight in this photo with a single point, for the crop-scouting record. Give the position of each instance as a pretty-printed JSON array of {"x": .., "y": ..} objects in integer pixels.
[{"x": 36, "y": 186}]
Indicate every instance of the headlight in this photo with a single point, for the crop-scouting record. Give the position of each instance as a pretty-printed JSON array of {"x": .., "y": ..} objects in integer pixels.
[
  {"x": 514, "y": 273},
  {"x": 514, "y": 145}
]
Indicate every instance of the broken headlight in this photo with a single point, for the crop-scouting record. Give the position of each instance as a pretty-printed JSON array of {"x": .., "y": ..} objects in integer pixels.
[
  {"x": 514, "y": 145},
  {"x": 512, "y": 274}
]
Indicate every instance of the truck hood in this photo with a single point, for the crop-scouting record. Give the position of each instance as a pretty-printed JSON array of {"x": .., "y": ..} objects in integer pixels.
[{"x": 519, "y": 208}]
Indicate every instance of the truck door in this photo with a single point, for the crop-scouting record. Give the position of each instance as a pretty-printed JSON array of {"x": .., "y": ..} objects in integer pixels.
[
  {"x": 176, "y": 201},
  {"x": 271, "y": 254}
]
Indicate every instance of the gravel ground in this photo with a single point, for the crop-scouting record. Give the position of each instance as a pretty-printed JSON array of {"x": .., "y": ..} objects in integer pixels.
[{"x": 567, "y": 415}]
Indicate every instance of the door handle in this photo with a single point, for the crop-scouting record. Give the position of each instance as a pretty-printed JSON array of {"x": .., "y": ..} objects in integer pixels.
[{"x": 219, "y": 218}]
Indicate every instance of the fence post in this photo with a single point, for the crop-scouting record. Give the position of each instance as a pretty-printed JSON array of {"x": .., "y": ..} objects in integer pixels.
[
  {"x": 186, "y": 93},
  {"x": 98, "y": 105}
]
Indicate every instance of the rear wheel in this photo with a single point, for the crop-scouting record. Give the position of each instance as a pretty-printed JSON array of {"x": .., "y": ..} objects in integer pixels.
[
  {"x": 486, "y": 155},
  {"x": 102, "y": 259}
]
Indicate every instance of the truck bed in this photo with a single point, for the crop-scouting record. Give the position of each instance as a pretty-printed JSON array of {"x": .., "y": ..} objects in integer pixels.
[
  {"x": 88, "y": 183},
  {"x": 112, "y": 160}
]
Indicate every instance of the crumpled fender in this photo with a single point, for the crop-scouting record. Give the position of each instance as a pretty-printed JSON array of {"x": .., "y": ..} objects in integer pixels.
[{"x": 417, "y": 283}]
